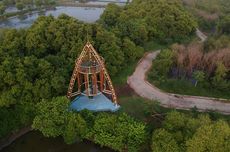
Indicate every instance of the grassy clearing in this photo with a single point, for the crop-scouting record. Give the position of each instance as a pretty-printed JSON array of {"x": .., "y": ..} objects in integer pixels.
[
  {"x": 144, "y": 110},
  {"x": 185, "y": 87},
  {"x": 152, "y": 46},
  {"x": 121, "y": 78}
]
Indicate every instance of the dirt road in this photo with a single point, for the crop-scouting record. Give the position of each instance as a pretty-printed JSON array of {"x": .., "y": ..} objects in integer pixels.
[
  {"x": 201, "y": 35},
  {"x": 143, "y": 88}
]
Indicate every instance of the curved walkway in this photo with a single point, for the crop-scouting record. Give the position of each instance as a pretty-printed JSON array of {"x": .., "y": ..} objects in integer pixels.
[{"x": 138, "y": 83}]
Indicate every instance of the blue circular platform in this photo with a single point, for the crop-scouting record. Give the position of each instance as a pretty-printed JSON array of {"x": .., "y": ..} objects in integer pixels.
[{"x": 97, "y": 103}]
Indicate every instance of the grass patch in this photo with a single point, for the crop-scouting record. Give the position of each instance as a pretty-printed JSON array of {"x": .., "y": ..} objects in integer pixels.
[
  {"x": 153, "y": 45},
  {"x": 121, "y": 78},
  {"x": 138, "y": 107},
  {"x": 151, "y": 113},
  {"x": 185, "y": 87}
]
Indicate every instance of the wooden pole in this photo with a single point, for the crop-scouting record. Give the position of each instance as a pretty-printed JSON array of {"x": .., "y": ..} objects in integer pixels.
[
  {"x": 94, "y": 79},
  {"x": 79, "y": 82},
  {"x": 86, "y": 84},
  {"x": 102, "y": 81}
]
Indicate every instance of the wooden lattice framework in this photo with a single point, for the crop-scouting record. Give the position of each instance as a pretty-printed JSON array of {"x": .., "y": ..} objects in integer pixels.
[{"x": 90, "y": 76}]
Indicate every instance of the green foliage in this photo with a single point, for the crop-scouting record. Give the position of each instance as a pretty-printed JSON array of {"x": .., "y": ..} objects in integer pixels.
[
  {"x": 51, "y": 117},
  {"x": 143, "y": 20},
  {"x": 11, "y": 119},
  {"x": 199, "y": 76},
  {"x": 223, "y": 25},
  {"x": 185, "y": 87},
  {"x": 44, "y": 56},
  {"x": 217, "y": 43},
  {"x": 220, "y": 74},
  {"x": 20, "y": 6},
  {"x": 211, "y": 6},
  {"x": 183, "y": 132},
  {"x": 38, "y": 3},
  {"x": 163, "y": 141},
  {"x": 2, "y": 8},
  {"x": 119, "y": 132},
  {"x": 131, "y": 51},
  {"x": 214, "y": 137},
  {"x": 8, "y": 2},
  {"x": 54, "y": 119},
  {"x": 36, "y": 63},
  {"x": 76, "y": 128},
  {"x": 110, "y": 16},
  {"x": 163, "y": 64}
]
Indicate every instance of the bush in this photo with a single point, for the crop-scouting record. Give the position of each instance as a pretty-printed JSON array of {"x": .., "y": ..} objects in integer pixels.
[
  {"x": 183, "y": 132},
  {"x": 119, "y": 132}
]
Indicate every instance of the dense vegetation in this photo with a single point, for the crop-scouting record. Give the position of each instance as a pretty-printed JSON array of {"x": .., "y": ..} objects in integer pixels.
[
  {"x": 208, "y": 12},
  {"x": 183, "y": 132},
  {"x": 119, "y": 132},
  {"x": 177, "y": 131},
  {"x": 36, "y": 65},
  {"x": 161, "y": 20},
  {"x": 190, "y": 70},
  {"x": 198, "y": 69}
]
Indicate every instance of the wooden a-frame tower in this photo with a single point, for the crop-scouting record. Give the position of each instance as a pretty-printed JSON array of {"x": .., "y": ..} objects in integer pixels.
[{"x": 90, "y": 77}]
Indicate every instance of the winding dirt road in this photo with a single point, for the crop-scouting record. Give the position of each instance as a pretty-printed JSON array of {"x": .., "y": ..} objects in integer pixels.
[{"x": 138, "y": 83}]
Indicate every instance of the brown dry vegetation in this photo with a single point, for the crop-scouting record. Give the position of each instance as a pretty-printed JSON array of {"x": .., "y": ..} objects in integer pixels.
[
  {"x": 206, "y": 15},
  {"x": 193, "y": 57}
]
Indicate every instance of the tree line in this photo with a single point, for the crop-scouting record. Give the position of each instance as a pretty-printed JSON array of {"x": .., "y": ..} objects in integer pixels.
[{"x": 24, "y": 4}]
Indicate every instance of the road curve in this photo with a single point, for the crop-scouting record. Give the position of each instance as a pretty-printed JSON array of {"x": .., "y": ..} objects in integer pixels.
[{"x": 137, "y": 81}]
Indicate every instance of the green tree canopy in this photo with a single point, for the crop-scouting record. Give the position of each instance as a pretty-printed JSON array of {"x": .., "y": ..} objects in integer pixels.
[
  {"x": 2, "y": 8},
  {"x": 20, "y": 6},
  {"x": 214, "y": 137},
  {"x": 163, "y": 141},
  {"x": 51, "y": 116}
]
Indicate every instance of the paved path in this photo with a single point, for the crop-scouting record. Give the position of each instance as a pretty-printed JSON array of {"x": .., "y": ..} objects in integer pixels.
[
  {"x": 201, "y": 35},
  {"x": 143, "y": 88}
]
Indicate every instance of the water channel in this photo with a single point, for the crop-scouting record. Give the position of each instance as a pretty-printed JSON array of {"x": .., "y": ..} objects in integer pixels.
[{"x": 35, "y": 142}]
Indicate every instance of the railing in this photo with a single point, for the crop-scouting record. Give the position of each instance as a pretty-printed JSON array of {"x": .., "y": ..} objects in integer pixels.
[
  {"x": 89, "y": 69},
  {"x": 91, "y": 90}
]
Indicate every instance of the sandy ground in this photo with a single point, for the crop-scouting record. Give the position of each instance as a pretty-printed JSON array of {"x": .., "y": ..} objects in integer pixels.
[{"x": 138, "y": 83}]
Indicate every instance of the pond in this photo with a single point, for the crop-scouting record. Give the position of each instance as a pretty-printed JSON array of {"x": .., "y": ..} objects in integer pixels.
[
  {"x": 85, "y": 14},
  {"x": 36, "y": 142}
]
